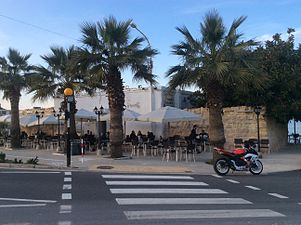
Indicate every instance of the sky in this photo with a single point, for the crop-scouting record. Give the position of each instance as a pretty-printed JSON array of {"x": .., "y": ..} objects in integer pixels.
[{"x": 33, "y": 26}]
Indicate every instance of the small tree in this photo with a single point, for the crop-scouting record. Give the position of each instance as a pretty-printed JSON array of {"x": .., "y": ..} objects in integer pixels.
[
  {"x": 108, "y": 50},
  {"x": 282, "y": 62},
  {"x": 214, "y": 63},
  {"x": 50, "y": 81},
  {"x": 13, "y": 72}
]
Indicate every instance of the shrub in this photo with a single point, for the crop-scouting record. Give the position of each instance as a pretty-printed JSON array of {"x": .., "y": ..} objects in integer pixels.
[
  {"x": 33, "y": 161},
  {"x": 18, "y": 161},
  {"x": 2, "y": 157}
]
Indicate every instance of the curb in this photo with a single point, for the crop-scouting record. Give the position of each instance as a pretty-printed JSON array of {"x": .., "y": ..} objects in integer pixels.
[{"x": 140, "y": 169}]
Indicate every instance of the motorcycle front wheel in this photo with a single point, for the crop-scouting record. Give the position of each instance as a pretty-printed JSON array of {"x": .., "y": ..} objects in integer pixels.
[
  {"x": 221, "y": 166},
  {"x": 256, "y": 167}
]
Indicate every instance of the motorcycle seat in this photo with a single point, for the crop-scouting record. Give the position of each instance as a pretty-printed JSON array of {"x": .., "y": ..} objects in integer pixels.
[{"x": 239, "y": 151}]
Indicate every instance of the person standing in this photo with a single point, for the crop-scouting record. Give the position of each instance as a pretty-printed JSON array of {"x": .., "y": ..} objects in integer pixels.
[
  {"x": 204, "y": 137},
  {"x": 193, "y": 134}
]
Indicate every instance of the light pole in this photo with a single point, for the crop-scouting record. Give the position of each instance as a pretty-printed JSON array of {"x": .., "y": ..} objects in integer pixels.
[
  {"x": 257, "y": 110},
  {"x": 39, "y": 114},
  {"x": 150, "y": 62},
  {"x": 98, "y": 112},
  {"x": 58, "y": 115},
  {"x": 69, "y": 99}
]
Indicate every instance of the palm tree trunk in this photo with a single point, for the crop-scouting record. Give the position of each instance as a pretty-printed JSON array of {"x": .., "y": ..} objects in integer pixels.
[
  {"x": 15, "y": 121},
  {"x": 216, "y": 126},
  {"x": 116, "y": 102}
]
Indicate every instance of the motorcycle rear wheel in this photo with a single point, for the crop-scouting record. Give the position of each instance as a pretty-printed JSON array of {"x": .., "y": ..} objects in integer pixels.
[
  {"x": 256, "y": 167},
  {"x": 221, "y": 166}
]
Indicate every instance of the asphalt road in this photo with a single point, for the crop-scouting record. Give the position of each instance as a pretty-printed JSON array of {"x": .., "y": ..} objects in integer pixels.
[{"x": 80, "y": 198}]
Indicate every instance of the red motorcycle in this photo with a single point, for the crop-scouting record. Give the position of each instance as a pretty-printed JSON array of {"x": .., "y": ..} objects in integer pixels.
[{"x": 240, "y": 159}]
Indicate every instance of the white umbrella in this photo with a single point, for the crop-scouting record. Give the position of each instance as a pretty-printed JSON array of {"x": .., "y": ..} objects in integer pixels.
[
  {"x": 130, "y": 114},
  {"x": 5, "y": 118},
  {"x": 25, "y": 120},
  {"x": 85, "y": 114},
  {"x": 127, "y": 115},
  {"x": 169, "y": 114},
  {"x": 46, "y": 120}
]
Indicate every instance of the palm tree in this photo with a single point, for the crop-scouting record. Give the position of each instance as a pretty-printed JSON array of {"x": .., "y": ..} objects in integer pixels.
[
  {"x": 215, "y": 63},
  {"x": 107, "y": 52},
  {"x": 51, "y": 81},
  {"x": 13, "y": 71}
]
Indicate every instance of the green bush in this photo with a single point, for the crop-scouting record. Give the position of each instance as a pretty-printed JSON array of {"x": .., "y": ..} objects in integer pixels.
[
  {"x": 33, "y": 161},
  {"x": 2, "y": 157},
  {"x": 18, "y": 161}
]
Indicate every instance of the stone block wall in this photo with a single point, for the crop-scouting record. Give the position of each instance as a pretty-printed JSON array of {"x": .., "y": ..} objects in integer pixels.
[{"x": 239, "y": 122}]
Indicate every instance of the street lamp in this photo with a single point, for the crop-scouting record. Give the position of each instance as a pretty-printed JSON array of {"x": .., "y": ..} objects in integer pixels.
[
  {"x": 98, "y": 112},
  {"x": 150, "y": 62},
  {"x": 257, "y": 110},
  {"x": 39, "y": 114},
  {"x": 58, "y": 115},
  {"x": 69, "y": 99}
]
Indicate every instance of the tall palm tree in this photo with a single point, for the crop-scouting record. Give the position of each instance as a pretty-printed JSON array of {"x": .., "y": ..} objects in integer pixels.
[
  {"x": 13, "y": 71},
  {"x": 215, "y": 63},
  {"x": 107, "y": 52},
  {"x": 51, "y": 81}
]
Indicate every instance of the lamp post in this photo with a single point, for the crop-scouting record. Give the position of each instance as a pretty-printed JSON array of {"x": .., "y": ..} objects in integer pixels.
[
  {"x": 58, "y": 115},
  {"x": 257, "y": 110},
  {"x": 39, "y": 114},
  {"x": 98, "y": 112},
  {"x": 69, "y": 98},
  {"x": 150, "y": 62}
]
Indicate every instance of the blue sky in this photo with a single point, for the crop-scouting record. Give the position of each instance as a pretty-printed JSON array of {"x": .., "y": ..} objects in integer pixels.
[{"x": 156, "y": 18}]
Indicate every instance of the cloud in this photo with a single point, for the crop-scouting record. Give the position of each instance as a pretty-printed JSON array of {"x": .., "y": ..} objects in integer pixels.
[
  {"x": 284, "y": 35},
  {"x": 265, "y": 37},
  {"x": 297, "y": 32}
]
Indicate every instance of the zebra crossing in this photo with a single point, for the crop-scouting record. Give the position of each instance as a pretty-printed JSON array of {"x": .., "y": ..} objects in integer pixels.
[{"x": 164, "y": 191}]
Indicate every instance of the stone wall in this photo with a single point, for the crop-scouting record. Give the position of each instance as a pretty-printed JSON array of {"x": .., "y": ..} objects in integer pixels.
[{"x": 239, "y": 122}]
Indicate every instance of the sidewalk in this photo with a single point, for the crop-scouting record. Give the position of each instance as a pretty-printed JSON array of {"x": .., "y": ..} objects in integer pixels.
[{"x": 275, "y": 162}]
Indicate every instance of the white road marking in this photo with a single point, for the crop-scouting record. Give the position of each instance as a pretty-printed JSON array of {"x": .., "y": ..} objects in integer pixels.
[
  {"x": 233, "y": 181},
  {"x": 67, "y": 187},
  {"x": 21, "y": 205},
  {"x": 68, "y": 173},
  {"x": 65, "y": 209},
  {"x": 67, "y": 179},
  {"x": 28, "y": 172},
  {"x": 217, "y": 176},
  {"x": 66, "y": 196},
  {"x": 180, "y": 201},
  {"x": 156, "y": 183},
  {"x": 163, "y": 177},
  {"x": 64, "y": 223},
  {"x": 299, "y": 203},
  {"x": 18, "y": 224},
  {"x": 253, "y": 188},
  {"x": 26, "y": 200},
  {"x": 196, "y": 214},
  {"x": 278, "y": 195},
  {"x": 165, "y": 191}
]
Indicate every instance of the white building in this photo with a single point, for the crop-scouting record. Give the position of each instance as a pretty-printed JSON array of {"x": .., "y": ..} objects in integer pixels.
[{"x": 141, "y": 100}]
